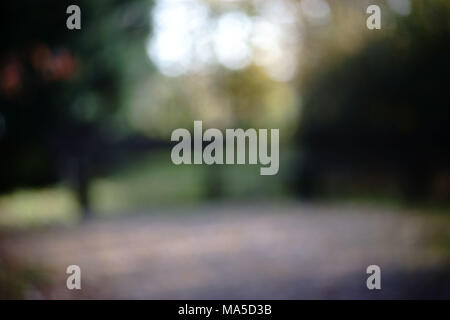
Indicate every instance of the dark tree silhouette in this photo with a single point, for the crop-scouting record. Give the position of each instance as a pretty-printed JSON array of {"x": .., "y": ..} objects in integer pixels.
[
  {"x": 61, "y": 91},
  {"x": 386, "y": 108}
]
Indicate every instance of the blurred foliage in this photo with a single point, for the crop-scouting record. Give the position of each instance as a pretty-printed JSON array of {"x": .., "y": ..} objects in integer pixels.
[
  {"x": 384, "y": 108},
  {"x": 376, "y": 98},
  {"x": 60, "y": 88},
  {"x": 221, "y": 99}
]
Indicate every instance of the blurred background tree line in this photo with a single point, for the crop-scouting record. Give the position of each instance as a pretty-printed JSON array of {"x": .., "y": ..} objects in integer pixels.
[{"x": 360, "y": 112}]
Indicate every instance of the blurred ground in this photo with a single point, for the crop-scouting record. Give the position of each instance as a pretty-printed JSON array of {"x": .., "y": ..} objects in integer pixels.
[{"x": 254, "y": 251}]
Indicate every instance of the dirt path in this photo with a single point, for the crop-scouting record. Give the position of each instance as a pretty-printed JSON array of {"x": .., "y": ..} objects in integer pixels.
[{"x": 290, "y": 251}]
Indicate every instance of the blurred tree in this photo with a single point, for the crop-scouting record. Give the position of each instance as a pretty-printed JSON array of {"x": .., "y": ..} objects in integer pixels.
[
  {"x": 62, "y": 91},
  {"x": 385, "y": 108}
]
